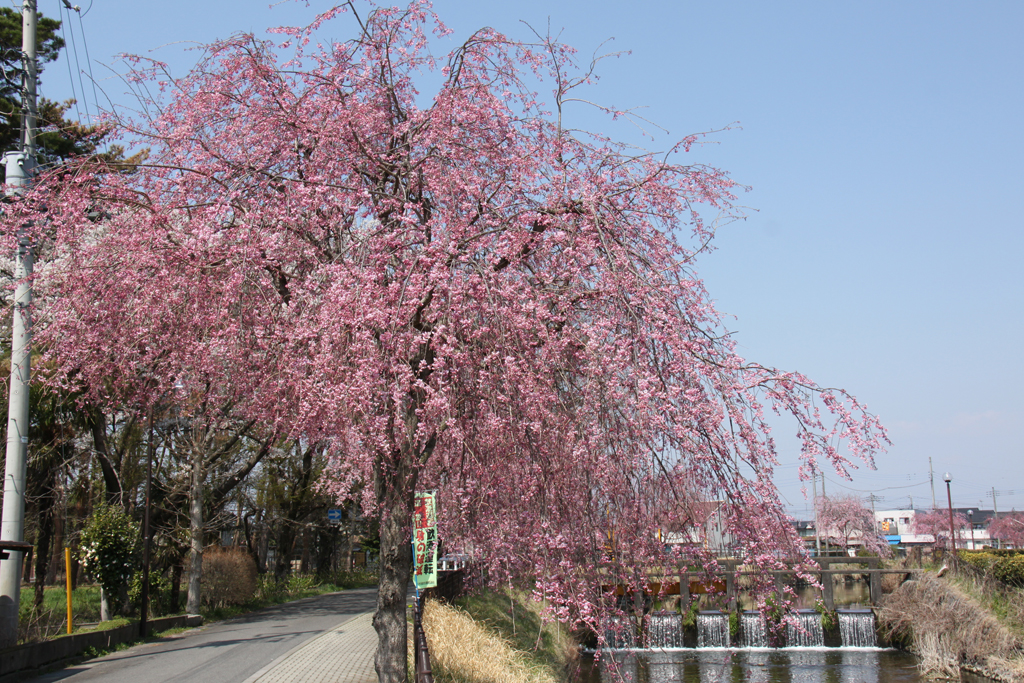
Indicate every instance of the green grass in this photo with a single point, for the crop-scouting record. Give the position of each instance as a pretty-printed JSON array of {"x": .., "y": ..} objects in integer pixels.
[
  {"x": 518, "y": 620},
  {"x": 1005, "y": 603},
  {"x": 85, "y": 601},
  {"x": 51, "y": 619}
]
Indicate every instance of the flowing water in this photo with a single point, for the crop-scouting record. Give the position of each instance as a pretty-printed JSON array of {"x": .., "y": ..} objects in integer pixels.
[
  {"x": 753, "y": 630},
  {"x": 785, "y": 665},
  {"x": 664, "y": 630},
  {"x": 807, "y": 632},
  {"x": 619, "y": 633},
  {"x": 805, "y": 660},
  {"x": 712, "y": 629},
  {"x": 857, "y": 628}
]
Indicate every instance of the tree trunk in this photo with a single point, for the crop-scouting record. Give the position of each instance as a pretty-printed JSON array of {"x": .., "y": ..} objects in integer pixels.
[
  {"x": 175, "y": 588},
  {"x": 56, "y": 562},
  {"x": 195, "y": 569},
  {"x": 395, "y": 489},
  {"x": 43, "y": 540},
  {"x": 285, "y": 548},
  {"x": 304, "y": 567},
  {"x": 351, "y": 536},
  {"x": 104, "y": 605}
]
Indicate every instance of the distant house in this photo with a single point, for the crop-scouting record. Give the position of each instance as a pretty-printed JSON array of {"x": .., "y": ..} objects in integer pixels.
[
  {"x": 706, "y": 528},
  {"x": 900, "y": 529}
]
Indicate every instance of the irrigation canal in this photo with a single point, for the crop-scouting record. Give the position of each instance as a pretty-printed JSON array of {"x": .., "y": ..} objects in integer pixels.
[{"x": 665, "y": 652}]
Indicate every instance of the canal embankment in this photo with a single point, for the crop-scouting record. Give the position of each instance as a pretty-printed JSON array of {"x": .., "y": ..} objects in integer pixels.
[
  {"x": 949, "y": 623},
  {"x": 492, "y": 636}
]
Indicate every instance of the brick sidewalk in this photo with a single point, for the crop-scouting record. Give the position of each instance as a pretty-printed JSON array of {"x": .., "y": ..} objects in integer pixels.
[{"x": 342, "y": 655}]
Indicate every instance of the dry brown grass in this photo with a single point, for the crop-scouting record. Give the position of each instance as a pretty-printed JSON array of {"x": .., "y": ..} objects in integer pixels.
[
  {"x": 890, "y": 582},
  {"x": 464, "y": 651},
  {"x": 949, "y": 629}
]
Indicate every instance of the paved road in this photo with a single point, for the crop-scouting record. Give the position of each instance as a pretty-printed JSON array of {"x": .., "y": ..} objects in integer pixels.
[{"x": 225, "y": 652}]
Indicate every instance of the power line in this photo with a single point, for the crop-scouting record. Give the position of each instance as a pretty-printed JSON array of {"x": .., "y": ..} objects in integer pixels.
[
  {"x": 884, "y": 488},
  {"x": 78, "y": 64},
  {"x": 88, "y": 59},
  {"x": 71, "y": 75}
]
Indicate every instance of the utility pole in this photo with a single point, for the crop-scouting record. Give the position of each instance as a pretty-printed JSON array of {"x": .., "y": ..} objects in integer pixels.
[
  {"x": 817, "y": 531},
  {"x": 949, "y": 498},
  {"x": 995, "y": 510},
  {"x": 19, "y": 166},
  {"x": 931, "y": 478}
]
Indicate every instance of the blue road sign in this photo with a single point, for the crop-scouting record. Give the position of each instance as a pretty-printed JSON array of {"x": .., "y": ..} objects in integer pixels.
[{"x": 334, "y": 515}]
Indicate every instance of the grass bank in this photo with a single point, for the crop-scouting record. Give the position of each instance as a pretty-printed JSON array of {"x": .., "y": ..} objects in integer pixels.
[
  {"x": 947, "y": 624},
  {"x": 497, "y": 637}
]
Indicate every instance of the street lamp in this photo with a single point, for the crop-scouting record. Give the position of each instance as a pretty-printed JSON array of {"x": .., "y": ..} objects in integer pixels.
[
  {"x": 970, "y": 521},
  {"x": 949, "y": 497}
]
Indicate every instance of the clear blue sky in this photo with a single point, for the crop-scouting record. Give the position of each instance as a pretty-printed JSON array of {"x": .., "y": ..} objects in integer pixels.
[{"x": 883, "y": 145}]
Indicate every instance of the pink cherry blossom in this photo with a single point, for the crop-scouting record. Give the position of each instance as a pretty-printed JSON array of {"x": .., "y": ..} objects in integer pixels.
[{"x": 449, "y": 290}]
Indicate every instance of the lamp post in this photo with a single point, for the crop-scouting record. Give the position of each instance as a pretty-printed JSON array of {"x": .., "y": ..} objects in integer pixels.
[
  {"x": 949, "y": 499},
  {"x": 970, "y": 522}
]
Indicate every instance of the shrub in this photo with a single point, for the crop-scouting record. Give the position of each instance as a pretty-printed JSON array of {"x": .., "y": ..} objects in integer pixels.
[
  {"x": 302, "y": 583},
  {"x": 1010, "y": 570},
  {"x": 357, "y": 578},
  {"x": 269, "y": 589},
  {"x": 159, "y": 593},
  {"x": 229, "y": 577},
  {"x": 108, "y": 548},
  {"x": 981, "y": 561}
]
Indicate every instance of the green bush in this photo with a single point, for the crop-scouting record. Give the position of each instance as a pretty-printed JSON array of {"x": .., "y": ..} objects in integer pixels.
[
  {"x": 997, "y": 552},
  {"x": 302, "y": 583},
  {"x": 982, "y": 561},
  {"x": 159, "y": 594},
  {"x": 1010, "y": 570},
  {"x": 829, "y": 618},
  {"x": 109, "y": 547}
]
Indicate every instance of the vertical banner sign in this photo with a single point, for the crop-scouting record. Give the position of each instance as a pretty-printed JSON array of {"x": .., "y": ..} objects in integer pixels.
[{"x": 424, "y": 540}]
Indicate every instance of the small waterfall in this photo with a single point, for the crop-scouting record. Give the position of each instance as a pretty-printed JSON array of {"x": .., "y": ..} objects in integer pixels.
[
  {"x": 857, "y": 628},
  {"x": 753, "y": 631},
  {"x": 664, "y": 629},
  {"x": 712, "y": 629},
  {"x": 810, "y": 633},
  {"x": 619, "y": 633}
]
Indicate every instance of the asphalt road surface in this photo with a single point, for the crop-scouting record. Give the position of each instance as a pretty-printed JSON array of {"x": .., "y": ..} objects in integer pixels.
[{"x": 224, "y": 652}]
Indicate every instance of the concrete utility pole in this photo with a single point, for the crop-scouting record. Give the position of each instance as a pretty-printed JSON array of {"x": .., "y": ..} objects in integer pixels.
[
  {"x": 931, "y": 478},
  {"x": 817, "y": 530},
  {"x": 19, "y": 166},
  {"x": 949, "y": 499}
]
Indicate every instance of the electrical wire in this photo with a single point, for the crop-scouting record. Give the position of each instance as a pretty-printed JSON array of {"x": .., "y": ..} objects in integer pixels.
[
  {"x": 885, "y": 488},
  {"x": 88, "y": 60},
  {"x": 78, "y": 65},
  {"x": 71, "y": 76}
]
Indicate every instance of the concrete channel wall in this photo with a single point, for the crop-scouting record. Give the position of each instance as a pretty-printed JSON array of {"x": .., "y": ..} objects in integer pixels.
[
  {"x": 21, "y": 661},
  {"x": 724, "y": 580}
]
